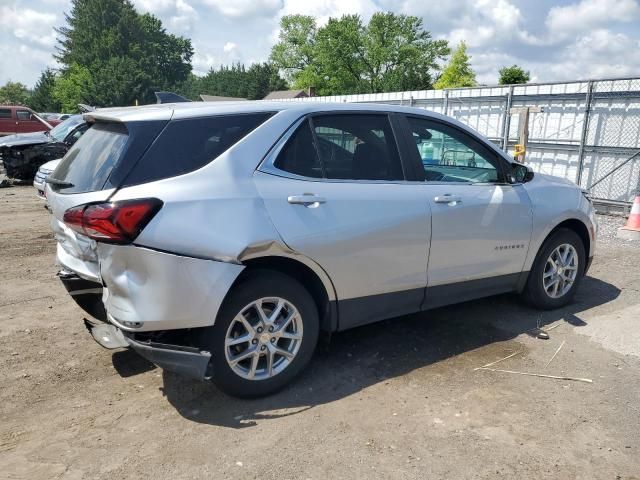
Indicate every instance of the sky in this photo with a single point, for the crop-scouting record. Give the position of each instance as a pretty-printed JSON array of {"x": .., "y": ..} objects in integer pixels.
[{"x": 555, "y": 40}]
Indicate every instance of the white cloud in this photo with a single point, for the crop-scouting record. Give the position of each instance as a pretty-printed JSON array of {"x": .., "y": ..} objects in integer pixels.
[
  {"x": 203, "y": 60},
  {"x": 481, "y": 24},
  {"x": 587, "y": 14},
  {"x": 29, "y": 25},
  {"x": 245, "y": 8},
  {"x": 322, "y": 10},
  {"x": 599, "y": 54},
  {"x": 229, "y": 46},
  {"x": 178, "y": 15}
]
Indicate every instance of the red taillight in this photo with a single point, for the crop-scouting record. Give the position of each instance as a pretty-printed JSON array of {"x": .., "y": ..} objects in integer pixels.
[{"x": 116, "y": 222}]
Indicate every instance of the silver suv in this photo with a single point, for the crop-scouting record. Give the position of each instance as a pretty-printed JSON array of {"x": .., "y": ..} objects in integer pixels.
[{"x": 219, "y": 240}]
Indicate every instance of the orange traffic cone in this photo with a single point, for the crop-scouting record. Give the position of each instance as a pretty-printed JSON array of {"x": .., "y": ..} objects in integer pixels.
[{"x": 631, "y": 231}]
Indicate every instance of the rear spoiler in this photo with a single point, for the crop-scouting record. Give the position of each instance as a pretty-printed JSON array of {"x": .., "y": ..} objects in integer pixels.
[
  {"x": 170, "y": 97},
  {"x": 85, "y": 108}
]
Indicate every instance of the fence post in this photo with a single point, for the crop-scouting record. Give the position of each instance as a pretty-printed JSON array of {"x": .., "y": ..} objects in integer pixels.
[
  {"x": 585, "y": 132},
  {"x": 506, "y": 120},
  {"x": 445, "y": 106}
]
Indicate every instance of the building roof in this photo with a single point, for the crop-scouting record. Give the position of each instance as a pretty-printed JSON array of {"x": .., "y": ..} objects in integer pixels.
[
  {"x": 217, "y": 98},
  {"x": 284, "y": 94}
]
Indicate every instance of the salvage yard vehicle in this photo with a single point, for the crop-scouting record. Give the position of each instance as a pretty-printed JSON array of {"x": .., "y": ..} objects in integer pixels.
[
  {"x": 18, "y": 119},
  {"x": 41, "y": 175},
  {"x": 22, "y": 154},
  {"x": 218, "y": 240}
]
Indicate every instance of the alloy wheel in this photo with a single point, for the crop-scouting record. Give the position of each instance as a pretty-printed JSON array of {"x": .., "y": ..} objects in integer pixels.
[
  {"x": 560, "y": 271},
  {"x": 263, "y": 338}
]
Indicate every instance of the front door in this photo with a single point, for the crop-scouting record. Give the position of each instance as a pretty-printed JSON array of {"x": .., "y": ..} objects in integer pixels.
[
  {"x": 26, "y": 122},
  {"x": 336, "y": 194},
  {"x": 481, "y": 226}
]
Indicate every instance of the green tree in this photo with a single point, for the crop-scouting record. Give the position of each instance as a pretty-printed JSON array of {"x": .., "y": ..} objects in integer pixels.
[
  {"x": 391, "y": 52},
  {"x": 513, "y": 75},
  {"x": 262, "y": 78},
  {"x": 190, "y": 88},
  {"x": 14, "y": 93},
  {"x": 236, "y": 80},
  {"x": 74, "y": 86},
  {"x": 128, "y": 55},
  {"x": 458, "y": 73},
  {"x": 294, "y": 54},
  {"x": 399, "y": 54},
  {"x": 41, "y": 99}
]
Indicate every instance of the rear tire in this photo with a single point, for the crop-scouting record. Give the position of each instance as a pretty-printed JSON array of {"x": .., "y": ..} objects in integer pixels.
[
  {"x": 276, "y": 345},
  {"x": 552, "y": 282}
]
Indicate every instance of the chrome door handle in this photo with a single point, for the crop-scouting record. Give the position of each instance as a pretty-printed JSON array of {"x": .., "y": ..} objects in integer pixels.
[
  {"x": 306, "y": 199},
  {"x": 448, "y": 198}
]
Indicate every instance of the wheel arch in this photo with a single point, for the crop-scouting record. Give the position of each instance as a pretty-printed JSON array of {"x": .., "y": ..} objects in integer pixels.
[
  {"x": 579, "y": 228},
  {"x": 316, "y": 282},
  {"x": 573, "y": 224}
]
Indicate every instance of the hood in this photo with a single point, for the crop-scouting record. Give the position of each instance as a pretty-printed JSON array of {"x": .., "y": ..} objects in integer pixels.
[
  {"x": 19, "y": 139},
  {"x": 552, "y": 179},
  {"x": 50, "y": 165}
]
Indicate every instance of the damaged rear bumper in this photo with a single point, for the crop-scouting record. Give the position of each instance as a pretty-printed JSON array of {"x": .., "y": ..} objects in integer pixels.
[
  {"x": 184, "y": 360},
  {"x": 187, "y": 361}
]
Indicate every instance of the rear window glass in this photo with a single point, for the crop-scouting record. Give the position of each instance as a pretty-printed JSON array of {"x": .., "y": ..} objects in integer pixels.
[
  {"x": 5, "y": 113},
  {"x": 189, "y": 144},
  {"x": 92, "y": 157}
]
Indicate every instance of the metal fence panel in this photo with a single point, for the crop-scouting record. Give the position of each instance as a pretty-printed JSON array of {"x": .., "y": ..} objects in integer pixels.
[{"x": 588, "y": 131}]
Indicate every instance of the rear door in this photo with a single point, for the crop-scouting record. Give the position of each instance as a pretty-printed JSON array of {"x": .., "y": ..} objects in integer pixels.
[
  {"x": 335, "y": 189},
  {"x": 481, "y": 225}
]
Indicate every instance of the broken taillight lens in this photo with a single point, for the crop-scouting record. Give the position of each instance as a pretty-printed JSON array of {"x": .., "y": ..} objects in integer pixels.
[{"x": 112, "y": 222}]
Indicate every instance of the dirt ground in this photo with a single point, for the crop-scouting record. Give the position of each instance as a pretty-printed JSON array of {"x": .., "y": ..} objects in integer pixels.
[{"x": 397, "y": 399}]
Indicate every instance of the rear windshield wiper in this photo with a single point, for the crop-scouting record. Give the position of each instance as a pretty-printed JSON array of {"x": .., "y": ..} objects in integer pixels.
[{"x": 59, "y": 183}]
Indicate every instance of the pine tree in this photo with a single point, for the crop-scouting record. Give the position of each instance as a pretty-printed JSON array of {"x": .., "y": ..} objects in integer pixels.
[
  {"x": 41, "y": 100},
  {"x": 128, "y": 55},
  {"x": 458, "y": 73}
]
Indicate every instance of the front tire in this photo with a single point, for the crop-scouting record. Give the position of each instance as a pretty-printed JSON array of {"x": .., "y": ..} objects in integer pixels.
[
  {"x": 264, "y": 336},
  {"x": 556, "y": 271}
]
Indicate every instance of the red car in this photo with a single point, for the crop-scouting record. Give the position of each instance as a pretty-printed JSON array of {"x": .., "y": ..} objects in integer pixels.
[{"x": 16, "y": 119}]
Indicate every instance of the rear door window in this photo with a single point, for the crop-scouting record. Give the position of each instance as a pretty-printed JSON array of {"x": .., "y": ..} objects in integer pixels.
[
  {"x": 189, "y": 144},
  {"x": 5, "y": 113},
  {"x": 357, "y": 147},
  {"x": 343, "y": 147}
]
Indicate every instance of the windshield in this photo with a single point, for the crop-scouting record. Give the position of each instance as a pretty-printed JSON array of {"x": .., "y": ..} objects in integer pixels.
[{"x": 59, "y": 132}]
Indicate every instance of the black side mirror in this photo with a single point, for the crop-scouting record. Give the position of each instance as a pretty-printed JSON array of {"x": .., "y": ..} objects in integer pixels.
[{"x": 520, "y": 173}]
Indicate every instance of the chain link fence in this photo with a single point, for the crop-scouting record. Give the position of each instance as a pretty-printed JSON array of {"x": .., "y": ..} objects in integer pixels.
[{"x": 586, "y": 131}]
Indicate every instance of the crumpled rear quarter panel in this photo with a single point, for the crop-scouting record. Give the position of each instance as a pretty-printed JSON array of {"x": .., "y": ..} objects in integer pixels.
[{"x": 162, "y": 290}]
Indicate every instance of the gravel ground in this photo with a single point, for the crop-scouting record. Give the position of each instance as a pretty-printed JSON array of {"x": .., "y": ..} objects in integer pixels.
[
  {"x": 397, "y": 399},
  {"x": 607, "y": 229}
]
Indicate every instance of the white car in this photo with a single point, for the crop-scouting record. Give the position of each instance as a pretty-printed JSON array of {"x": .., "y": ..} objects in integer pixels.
[
  {"x": 217, "y": 240},
  {"x": 41, "y": 175}
]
